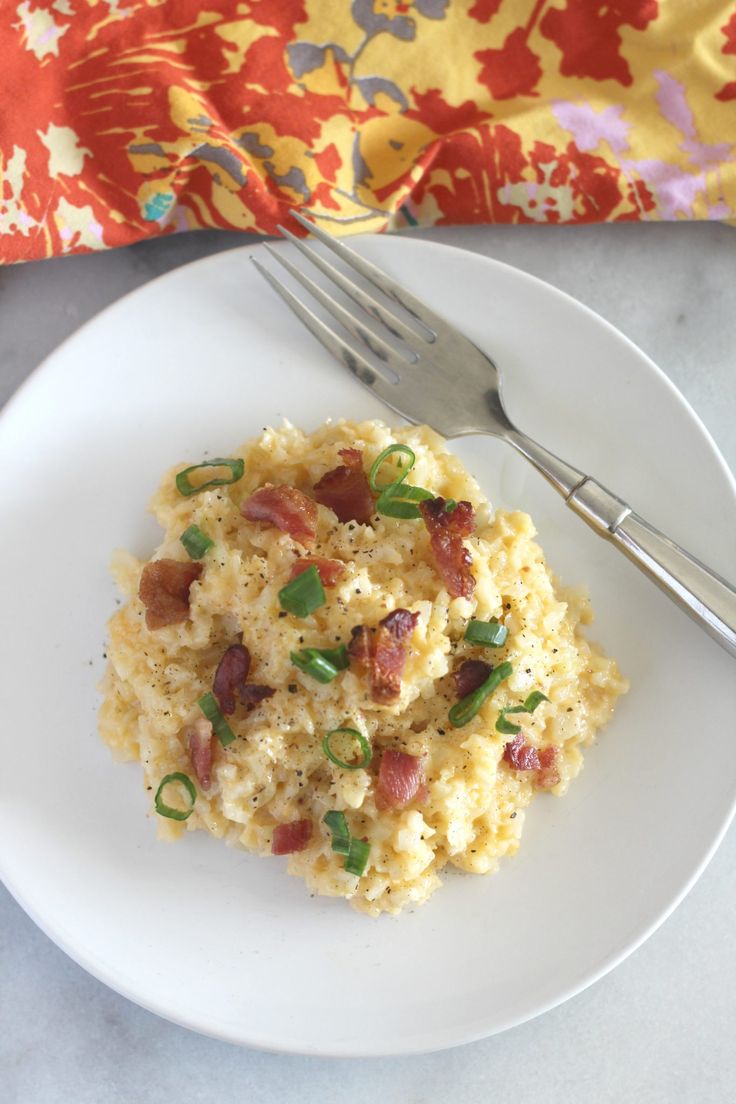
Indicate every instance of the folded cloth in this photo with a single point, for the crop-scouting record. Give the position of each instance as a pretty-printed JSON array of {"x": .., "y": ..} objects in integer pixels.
[{"x": 126, "y": 119}]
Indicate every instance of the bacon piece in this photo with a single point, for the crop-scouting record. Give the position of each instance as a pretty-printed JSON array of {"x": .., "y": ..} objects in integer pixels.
[
  {"x": 446, "y": 532},
  {"x": 201, "y": 743},
  {"x": 471, "y": 674},
  {"x": 389, "y": 654},
  {"x": 360, "y": 648},
  {"x": 164, "y": 591},
  {"x": 252, "y": 693},
  {"x": 346, "y": 489},
  {"x": 520, "y": 755},
  {"x": 291, "y": 837},
  {"x": 549, "y": 773},
  {"x": 290, "y": 510},
  {"x": 381, "y": 652},
  {"x": 400, "y": 780},
  {"x": 329, "y": 571},
  {"x": 231, "y": 673}
]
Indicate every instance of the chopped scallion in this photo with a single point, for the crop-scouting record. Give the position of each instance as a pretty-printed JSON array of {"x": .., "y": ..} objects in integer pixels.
[
  {"x": 353, "y": 733},
  {"x": 185, "y": 487},
  {"x": 464, "y": 710},
  {"x": 304, "y": 594},
  {"x": 502, "y": 725},
  {"x": 196, "y": 542},
  {"x": 312, "y": 663},
  {"x": 380, "y": 461},
  {"x": 357, "y": 859},
  {"x": 165, "y": 810},
  {"x": 531, "y": 703},
  {"x": 338, "y": 657},
  {"x": 491, "y": 634},
  {"x": 398, "y": 500},
  {"x": 208, "y": 704},
  {"x": 339, "y": 830}
]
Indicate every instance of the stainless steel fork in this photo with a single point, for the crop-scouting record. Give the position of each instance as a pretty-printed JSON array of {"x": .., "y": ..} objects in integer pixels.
[{"x": 443, "y": 379}]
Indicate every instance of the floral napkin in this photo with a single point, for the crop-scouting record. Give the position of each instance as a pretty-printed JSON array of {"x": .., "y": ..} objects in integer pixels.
[{"x": 126, "y": 119}]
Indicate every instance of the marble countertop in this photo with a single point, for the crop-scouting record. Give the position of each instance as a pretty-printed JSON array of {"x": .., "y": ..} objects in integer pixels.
[{"x": 659, "y": 1029}]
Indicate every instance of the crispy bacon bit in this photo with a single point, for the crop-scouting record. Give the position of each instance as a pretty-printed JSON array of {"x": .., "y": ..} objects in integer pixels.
[
  {"x": 201, "y": 743},
  {"x": 346, "y": 489},
  {"x": 400, "y": 779},
  {"x": 549, "y": 773},
  {"x": 231, "y": 673},
  {"x": 471, "y": 674},
  {"x": 288, "y": 838},
  {"x": 329, "y": 571},
  {"x": 164, "y": 591},
  {"x": 520, "y": 755},
  {"x": 252, "y": 693},
  {"x": 360, "y": 648},
  {"x": 382, "y": 653},
  {"x": 446, "y": 532},
  {"x": 288, "y": 509}
]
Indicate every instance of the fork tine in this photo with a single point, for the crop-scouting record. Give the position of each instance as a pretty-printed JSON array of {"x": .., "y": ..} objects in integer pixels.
[
  {"x": 381, "y": 313},
  {"x": 346, "y": 353},
  {"x": 376, "y": 344},
  {"x": 432, "y": 322}
]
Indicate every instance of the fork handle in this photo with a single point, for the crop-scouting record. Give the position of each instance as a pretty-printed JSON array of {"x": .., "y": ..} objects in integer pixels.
[{"x": 700, "y": 592}]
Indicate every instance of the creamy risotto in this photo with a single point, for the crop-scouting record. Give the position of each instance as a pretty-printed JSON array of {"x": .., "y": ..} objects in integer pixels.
[{"x": 340, "y": 653}]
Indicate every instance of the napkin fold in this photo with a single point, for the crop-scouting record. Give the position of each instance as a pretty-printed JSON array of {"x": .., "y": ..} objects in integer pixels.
[{"x": 126, "y": 119}]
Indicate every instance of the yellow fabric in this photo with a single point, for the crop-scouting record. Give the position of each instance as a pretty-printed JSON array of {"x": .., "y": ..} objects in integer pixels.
[{"x": 129, "y": 118}]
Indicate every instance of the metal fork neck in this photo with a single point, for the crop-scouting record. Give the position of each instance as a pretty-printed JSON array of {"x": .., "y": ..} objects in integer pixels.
[{"x": 563, "y": 477}]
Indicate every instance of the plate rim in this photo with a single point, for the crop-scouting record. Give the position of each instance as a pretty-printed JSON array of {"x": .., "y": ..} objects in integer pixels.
[{"x": 451, "y": 1037}]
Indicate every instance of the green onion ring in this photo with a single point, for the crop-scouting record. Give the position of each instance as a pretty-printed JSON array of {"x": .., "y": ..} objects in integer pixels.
[
  {"x": 380, "y": 460},
  {"x": 397, "y": 500},
  {"x": 531, "y": 703},
  {"x": 304, "y": 594},
  {"x": 339, "y": 830},
  {"x": 184, "y": 485},
  {"x": 196, "y": 542},
  {"x": 208, "y": 704},
  {"x": 365, "y": 747},
  {"x": 357, "y": 859},
  {"x": 312, "y": 663},
  {"x": 165, "y": 810},
  {"x": 489, "y": 634}
]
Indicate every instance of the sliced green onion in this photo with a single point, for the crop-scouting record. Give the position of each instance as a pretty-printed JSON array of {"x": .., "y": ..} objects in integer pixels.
[
  {"x": 304, "y": 594},
  {"x": 208, "y": 704},
  {"x": 338, "y": 657},
  {"x": 531, "y": 703},
  {"x": 397, "y": 500},
  {"x": 365, "y": 747},
  {"x": 491, "y": 634},
  {"x": 502, "y": 725},
  {"x": 185, "y": 487},
  {"x": 464, "y": 710},
  {"x": 312, "y": 663},
  {"x": 380, "y": 461},
  {"x": 196, "y": 542},
  {"x": 535, "y": 698},
  {"x": 357, "y": 859},
  {"x": 339, "y": 830},
  {"x": 165, "y": 810}
]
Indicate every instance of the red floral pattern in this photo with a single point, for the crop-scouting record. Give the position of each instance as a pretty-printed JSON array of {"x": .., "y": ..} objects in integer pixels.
[{"x": 125, "y": 119}]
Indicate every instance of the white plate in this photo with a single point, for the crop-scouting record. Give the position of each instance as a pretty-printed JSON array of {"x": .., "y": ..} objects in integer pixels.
[{"x": 225, "y": 942}]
